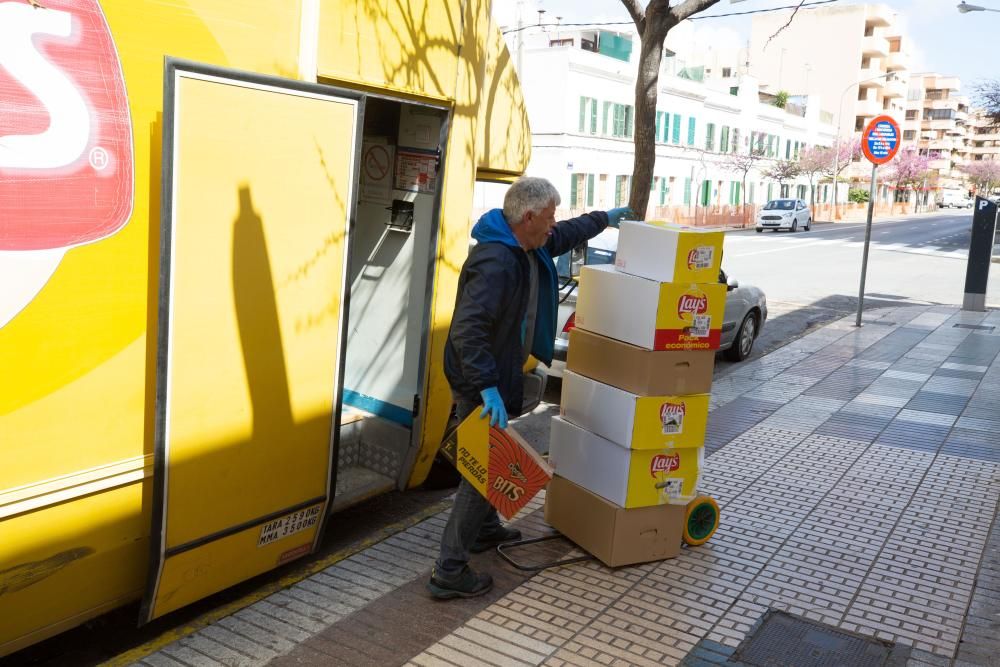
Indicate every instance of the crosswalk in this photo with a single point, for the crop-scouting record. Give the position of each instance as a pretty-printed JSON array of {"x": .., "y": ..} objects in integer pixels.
[{"x": 747, "y": 246}]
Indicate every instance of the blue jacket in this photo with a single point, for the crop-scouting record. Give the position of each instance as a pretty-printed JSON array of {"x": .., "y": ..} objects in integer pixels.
[{"x": 485, "y": 346}]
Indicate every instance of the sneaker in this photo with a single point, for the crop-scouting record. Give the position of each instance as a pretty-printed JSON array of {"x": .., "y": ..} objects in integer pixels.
[
  {"x": 499, "y": 536},
  {"x": 468, "y": 584}
]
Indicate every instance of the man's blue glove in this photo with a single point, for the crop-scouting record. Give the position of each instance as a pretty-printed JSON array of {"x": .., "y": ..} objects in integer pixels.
[
  {"x": 493, "y": 406},
  {"x": 616, "y": 215}
]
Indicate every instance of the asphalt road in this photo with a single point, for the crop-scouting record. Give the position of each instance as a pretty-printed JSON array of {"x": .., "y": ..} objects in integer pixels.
[{"x": 812, "y": 278}]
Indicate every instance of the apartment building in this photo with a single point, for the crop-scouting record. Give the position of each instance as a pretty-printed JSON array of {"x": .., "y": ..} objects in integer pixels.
[
  {"x": 982, "y": 138},
  {"x": 579, "y": 90},
  {"x": 859, "y": 67},
  {"x": 936, "y": 120}
]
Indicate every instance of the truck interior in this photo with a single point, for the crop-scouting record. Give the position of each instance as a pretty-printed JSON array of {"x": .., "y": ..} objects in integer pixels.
[{"x": 391, "y": 261}]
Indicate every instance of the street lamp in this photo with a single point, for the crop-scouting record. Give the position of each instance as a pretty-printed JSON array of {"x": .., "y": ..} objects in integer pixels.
[
  {"x": 965, "y": 8},
  {"x": 836, "y": 148}
]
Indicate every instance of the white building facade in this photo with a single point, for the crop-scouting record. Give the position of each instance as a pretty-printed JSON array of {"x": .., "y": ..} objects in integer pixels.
[{"x": 580, "y": 106}]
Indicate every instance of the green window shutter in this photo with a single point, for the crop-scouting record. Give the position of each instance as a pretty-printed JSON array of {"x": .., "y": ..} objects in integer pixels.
[
  {"x": 788, "y": 149},
  {"x": 796, "y": 150},
  {"x": 750, "y": 194},
  {"x": 593, "y": 116},
  {"x": 710, "y": 137},
  {"x": 666, "y": 127},
  {"x": 687, "y": 190},
  {"x": 770, "y": 189},
  {"x": 572, "y": 190},
  {"x": 659, "y": 122},
  {"x": 583, "y": 111},
  {"x": 724, "y": 140},
  {"x": 706, "y": 193},
  {"x": 607, "y": 112},
  {"x": 628, "y": 120},
  {"x": 590, "y": 189},
  {"x": 652, "y": 183},
  {"x": 691, "y": 131},
  {"x": 663, "y": 191},
  {"x": 677, "y": 129}
]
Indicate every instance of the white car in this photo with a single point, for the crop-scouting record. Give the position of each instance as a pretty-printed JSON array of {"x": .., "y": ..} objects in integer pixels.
[
  {"x": 744, "y": 316},
  {"x": 790, "y": 214}
]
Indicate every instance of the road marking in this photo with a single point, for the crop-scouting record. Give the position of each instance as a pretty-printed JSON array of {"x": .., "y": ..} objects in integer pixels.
[{"x": 791, "y": 246}]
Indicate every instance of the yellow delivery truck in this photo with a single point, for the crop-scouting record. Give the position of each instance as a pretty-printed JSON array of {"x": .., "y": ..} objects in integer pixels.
[{"x": 230, "y": 235}]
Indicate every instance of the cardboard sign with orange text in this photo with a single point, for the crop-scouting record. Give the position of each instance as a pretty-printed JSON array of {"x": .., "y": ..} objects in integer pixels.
[{"x": 497, "y": 462}]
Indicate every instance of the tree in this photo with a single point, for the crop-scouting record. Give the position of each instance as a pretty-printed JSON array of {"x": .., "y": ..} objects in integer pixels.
[
  {"x": 909, "y": 168},
  {"x": 782, "y": 171},
  {"x": 812, "y": 162},
  {"x": 742, "y": 164},
  {"x": 984, "y": 175},
  {"x": 842, "y": 153},
  {"x": 652, "y": 23},
  {"x": 987, "y": 95}
]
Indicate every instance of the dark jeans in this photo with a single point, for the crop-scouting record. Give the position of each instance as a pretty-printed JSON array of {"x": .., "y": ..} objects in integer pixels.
[{"x": 471, "y": 515}]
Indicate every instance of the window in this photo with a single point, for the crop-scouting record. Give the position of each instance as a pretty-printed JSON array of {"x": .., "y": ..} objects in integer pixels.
[
  {"x": 576, "y": 189},
  {"x": 727, "y": 72},
  {"x": 939, "y": 114},
  {"x": 590, "y": 189},
  {"x": 628, "y": 120},
  {"x": 659, "y": 124},
  {"x": 710, "y": 137},
  {"x": 666, "y": 127},
  {"x": 912, "y": 114},
  {"x": 677, "y": 129},
  {"x": 724, "y": 140},
  {"x": 691, "y": 122},
  {"x": 788, "y": 149},
  {"x": 593, "y": 116},
  {"x": 706, "y": 193},
  {"x": 619, "y": 126},
  {"x": 795, "y": 153},
  {"x": 664, "y": 191},
  {"x": 736, "y": 140},
  {"x": 687, "y": 191},
  {"x": 623, "y": 184},
  {"x": 583, "y": 112}
]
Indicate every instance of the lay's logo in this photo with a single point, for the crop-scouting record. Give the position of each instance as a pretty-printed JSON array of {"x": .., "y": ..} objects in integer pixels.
[
  {"x": 692, "y": 304},
  {"x": 66, "y": 154},
  {"x": 663, "y": 463}
]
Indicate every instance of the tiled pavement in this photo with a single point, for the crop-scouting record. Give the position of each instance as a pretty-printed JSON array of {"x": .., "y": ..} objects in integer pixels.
[{"x": 858, "y": 471}]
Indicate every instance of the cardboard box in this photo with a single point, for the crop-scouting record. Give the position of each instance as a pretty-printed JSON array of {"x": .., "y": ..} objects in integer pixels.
[
  {"x": 498, "y": 463},
  {"x": 631, "y": 421},
  {"x": 639, "y": 371},
  {"x": 614, "y": 535},
  {"x": 651, "y": 315},
  {"x": 669, "y": 253},
  {"x": 626, "y": 477}
]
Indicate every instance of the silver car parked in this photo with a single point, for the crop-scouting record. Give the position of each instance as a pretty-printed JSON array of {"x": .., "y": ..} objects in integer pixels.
[{"x": 745, "y": 314}]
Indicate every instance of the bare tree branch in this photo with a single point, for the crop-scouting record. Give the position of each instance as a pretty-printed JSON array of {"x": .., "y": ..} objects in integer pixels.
[
  {"x": 988, "y": 97},
  {"x": 690, "y": 7},
  {"x": 36, "y": 4},
  {"x": 637, "y": 13},
  {"x": 790, "y": 19}
]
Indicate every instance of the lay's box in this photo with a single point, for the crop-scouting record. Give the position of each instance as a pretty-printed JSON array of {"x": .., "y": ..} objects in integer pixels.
[
  {"x": 650, "y": 314},
  {"x": 669, "y": 253},
  {"x": 498, "y": 463},
  {"x": 626, "y": 477},
  {"x": 633, "y": 421}
]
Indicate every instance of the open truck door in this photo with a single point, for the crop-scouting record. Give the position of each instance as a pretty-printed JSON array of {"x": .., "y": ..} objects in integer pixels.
[{"x": 259, "y": 189}]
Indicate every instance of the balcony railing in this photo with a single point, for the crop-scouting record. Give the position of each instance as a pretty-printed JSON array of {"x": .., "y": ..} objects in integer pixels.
[
  {"x": 897, "y": 61},
  {"x": 894, "y": 88}
]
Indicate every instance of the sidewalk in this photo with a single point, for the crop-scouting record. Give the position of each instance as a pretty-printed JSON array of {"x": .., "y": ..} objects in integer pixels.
[{"x": 858, "y": 472}]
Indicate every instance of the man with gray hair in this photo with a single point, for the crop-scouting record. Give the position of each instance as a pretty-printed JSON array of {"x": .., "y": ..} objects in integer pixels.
[{"x": 508, "y": 296}]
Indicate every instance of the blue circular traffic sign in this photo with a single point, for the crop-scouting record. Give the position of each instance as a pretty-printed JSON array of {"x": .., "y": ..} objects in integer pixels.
[{"x": 880, "y": 140}]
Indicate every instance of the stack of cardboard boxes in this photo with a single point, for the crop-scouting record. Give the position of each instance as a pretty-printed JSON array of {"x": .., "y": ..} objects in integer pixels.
[{"x": 629, "y": 445}]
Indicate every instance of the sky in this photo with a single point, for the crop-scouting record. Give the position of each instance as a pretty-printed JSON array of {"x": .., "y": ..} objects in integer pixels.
[{"x": 942, "y": 39}]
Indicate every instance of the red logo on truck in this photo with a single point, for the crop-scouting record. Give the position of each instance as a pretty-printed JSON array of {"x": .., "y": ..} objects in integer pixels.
[
  {"x": 665, "y": 464},
  {"x": 65, "y": 132},
  {"x": 66, "y": 163}
]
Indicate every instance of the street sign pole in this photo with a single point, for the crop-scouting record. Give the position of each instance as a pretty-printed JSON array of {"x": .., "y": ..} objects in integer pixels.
[
  {"x": 879, "y": 144},
  {"x": 868, "y": 238}
]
